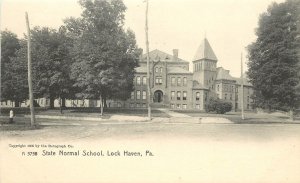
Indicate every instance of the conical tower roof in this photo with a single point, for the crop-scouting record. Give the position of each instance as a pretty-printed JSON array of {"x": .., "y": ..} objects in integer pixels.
[{"x": 205, "y": 51}]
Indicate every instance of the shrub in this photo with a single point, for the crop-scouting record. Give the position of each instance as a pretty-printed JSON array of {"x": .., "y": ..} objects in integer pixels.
[{"x": 218, "y": 105}]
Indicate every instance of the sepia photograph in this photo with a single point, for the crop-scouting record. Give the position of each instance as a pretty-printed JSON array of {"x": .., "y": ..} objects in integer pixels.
[{"x": 150, "y": 91}]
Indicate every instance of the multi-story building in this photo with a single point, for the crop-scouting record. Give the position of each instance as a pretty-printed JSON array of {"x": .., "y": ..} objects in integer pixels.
[{"x": 174, "y": 86}]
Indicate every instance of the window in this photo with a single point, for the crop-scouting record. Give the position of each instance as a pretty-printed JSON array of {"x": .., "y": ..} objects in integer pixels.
[
  {"x": 138, "y": 105},
  {"x": 225, "y": 96},
  {"x": 198, "y": 96},
  {"x": 158, "y": 80},
  {"x": 161, "y": 69},
  {"x": 156, "y": 69},
  {"x": 172, "y": 95},
  {"x": 144, "y": 105},
  {"x": 205, "y": 96},
  {"x": 178, "y": 106},
  {"x": 132, "y": 95},
  {"x": 236, "y": 89},
  {"x": 184, "y": 106},
  {"x": 138, "y": 80},
  {"x": 138, "y": 94},
  {"x": 247, "y": 106},
  {"x": 144, "y": 95},
  {"x": 184, "y": 95},
  {"x": 230, "y": 96},
  {"x": 184, "y": 81},
  {"x": 144, "y": 80},
  {"x": 173, "y": 81},
  {"x": 178, "y": 95},
  {"x": 178, "y": 81},
  {"x": 218, "y": 87},
  {"x": 172, "y": 106},
  {"x": 131, "y": 105},
  {"x": 197, "y": 106},
  {"x": 248, "y": 98}
]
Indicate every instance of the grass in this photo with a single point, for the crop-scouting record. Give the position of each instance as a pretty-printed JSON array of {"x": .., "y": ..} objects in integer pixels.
[
  {"x": 250, "y": 117},
  {"x": 83, "y": 112}
]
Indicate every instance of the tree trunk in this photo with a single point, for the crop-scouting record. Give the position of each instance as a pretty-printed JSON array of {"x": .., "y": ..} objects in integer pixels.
[
  {"x": 17, "y": 103},
  {"x": 291, "y": 115},
  {"x": 101, "y": 105},
  {"x": 60, "y": 105},
  {"x": 52, "y": 103},
  {"x": 104, "y": 101},
  {"x": 63, "y": 102}
]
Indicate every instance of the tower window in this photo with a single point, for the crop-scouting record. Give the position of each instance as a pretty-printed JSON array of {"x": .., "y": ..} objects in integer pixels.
[
  {"x": 184, "y": 81},
  {"x": 178, "y": 95},
  {"x": 138, "y": 94},
  {"x": 173, "y": 81},
  {"x": 178, "y": 81},
  {"x": 144, "y": 80},
  {"x": 184, "y": 95},
  {"x": 138, "y": 80},
  {"x": 198, "y": 96},
  {"x": 172, "y": 95}
]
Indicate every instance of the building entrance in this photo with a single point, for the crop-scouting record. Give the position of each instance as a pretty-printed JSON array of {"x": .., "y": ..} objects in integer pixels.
[{"x": 158, "y": 96}]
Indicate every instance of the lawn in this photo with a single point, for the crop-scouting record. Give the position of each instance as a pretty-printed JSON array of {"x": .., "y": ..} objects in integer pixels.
[
  {"x": 250, "y": 116},
  {"x": 84, "y": 112}
]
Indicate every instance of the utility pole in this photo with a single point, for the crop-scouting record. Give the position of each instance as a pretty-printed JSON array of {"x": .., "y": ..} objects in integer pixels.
[
  {"x": 242, "y": 88},
  {"x": 29, "y": 72},
  {"x": 0, "y": 68},
  {"x": 148, "y": 63}
]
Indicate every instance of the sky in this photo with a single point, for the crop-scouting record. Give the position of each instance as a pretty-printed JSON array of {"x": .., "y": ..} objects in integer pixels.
[{"x": 229, "y": 25}]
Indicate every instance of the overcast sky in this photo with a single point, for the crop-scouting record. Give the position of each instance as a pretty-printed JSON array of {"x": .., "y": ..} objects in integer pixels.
[{"x": 229, "y": 24}]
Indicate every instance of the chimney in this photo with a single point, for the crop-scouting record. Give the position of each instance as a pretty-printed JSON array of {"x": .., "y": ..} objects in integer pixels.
[{"x": 175, "y": 54}]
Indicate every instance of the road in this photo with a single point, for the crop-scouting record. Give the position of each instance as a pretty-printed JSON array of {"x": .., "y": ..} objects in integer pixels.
[{"x": 183, "y": 152}]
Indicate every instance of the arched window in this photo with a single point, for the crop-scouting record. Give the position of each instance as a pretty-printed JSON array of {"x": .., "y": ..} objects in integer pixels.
[{"x": 161, "y": 69}]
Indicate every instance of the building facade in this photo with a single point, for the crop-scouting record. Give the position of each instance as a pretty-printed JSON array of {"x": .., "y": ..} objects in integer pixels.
[{"x": 174, "y": 86}]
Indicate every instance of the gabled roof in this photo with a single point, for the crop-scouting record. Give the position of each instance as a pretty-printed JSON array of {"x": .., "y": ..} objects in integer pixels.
[
  {"x": 205, "y": 51},
  {"x": 162, "y": 56},
  {"x": 245, "y": 80},
  {"x": 178, "y": 70},
  {"x": 223, "y": 74}
]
